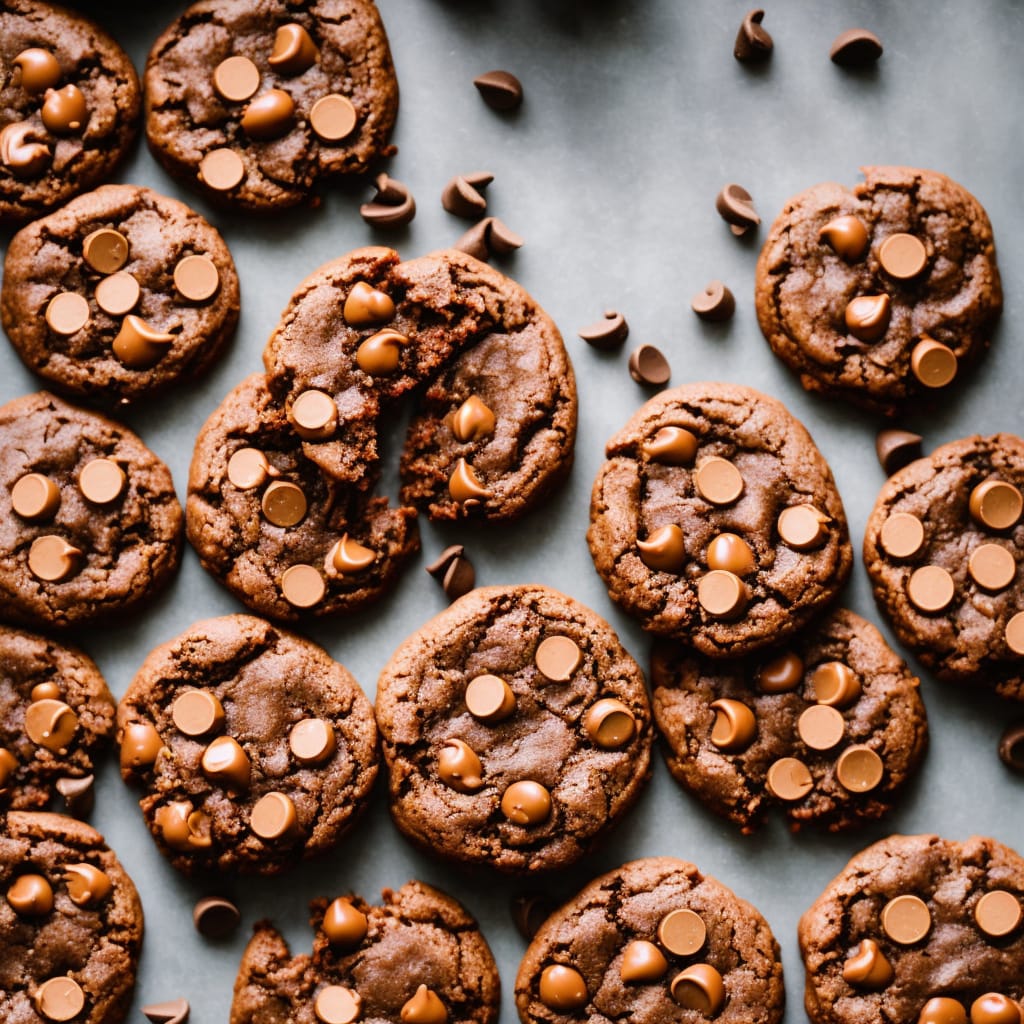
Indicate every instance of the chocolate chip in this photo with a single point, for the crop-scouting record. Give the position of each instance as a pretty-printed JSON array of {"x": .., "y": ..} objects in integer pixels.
[
  {"x": 487, "y": 237},
  {"x": 175, "y": 1012},
  {"x": 855, "y": 48},
  {"x": 392, "y": 207},
  {"x": 500, "y": 90},
  {"x": 736, "y": 207},
  {"x": 439, "y": 566},
  {"x": 79, "y": 795},
  {"x": 215, "y": 917},
  {"x": 462, "y": 197},
  {"x": 459, "y": 579},
  {"x": 1011, "y": 747},
  {"x": 753, "y": 43},
  {"x": 530, "y": 911},
  {"x": 608, "y": 333},
  {"x": 896, "y": 449},
  {"x": 649, "y": 367},
  {"x": 716, "y": 303}
]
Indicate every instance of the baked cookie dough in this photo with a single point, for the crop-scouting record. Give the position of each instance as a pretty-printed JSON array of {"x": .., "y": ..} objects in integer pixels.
[
  {"x": 516, "y": 730},
  {"x": 253, "y": 747},
  {"x": 70, "y": 923},
  {"x": 653, "y": 941},
  {"x": 90, "y": 525},
  {"x": 255, "y": 102},
  {"x": 918, "y": 929},
  {"x": 418, "y": 957},
  {"x": 716, "y": 521},
  {"x": 118, "y": 294},
  {"x": 829, "y": 730},
  {"x": 70, "y": 100},
  {"x": 942, "y": 548},
  {"x": 881, "y": 294}
]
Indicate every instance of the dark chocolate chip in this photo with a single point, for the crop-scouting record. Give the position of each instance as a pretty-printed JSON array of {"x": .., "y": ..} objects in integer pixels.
[
  {"x": 215, "y": 917},
  {"x": 459, "y": 579},
  {"x": 500, "y": 90},
  {"x": 487, "y": 237},
  {"x": 753, "y": 43},
  {"x": 715, "y": 303},
  {"x": 175, "y": 1012},
  {"x": 439, "y": 566},
  {"x": 1011, "y": 747},
  {"x": 530, "y": 911},
  {"x": 392, "y": 207},
  {"x": 608, "y": 333},
  {"x": 856, "y": 48},
  {"x": 462, "y": 197},
  {"x": 79, "y": 795},
  {"x": 896, "y": 449},
  {"x": 736, "y": 207},
  {"x": 648, "y": 366}
]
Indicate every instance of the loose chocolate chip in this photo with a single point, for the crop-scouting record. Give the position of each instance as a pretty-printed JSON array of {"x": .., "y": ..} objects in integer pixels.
[
  {"x": 530, "y": 911},
  {"x": 487, "y": 237},
  {"x": 896, "y": 449},
  {"x": 608, "y": 333},
  {"x": 753, "y": 43},
  {"x": 716, "y": 303},
  {"x": 79, "y": 795},
  {"x": 736, "y": 207},
  {"x": 215, "y": 917},
  {"x": 500, "y": 90},
  {"x": 649, "y": 367},
  {"x": 1011, "y": 747},
  {"x": 502, "y": 239},
  {"x": 439, "y": 566},
  {"x": 392, "y": 207},
  {"x": 855, "y": 48},
  {"x": 462, "y": 196},
  {"x": 175, "y": 1012},
  {"x": 459, "y": 579}
]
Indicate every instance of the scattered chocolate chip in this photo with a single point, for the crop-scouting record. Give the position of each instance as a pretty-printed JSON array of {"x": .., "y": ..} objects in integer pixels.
[
  {"x": 392, "y": 207},
  {"x": 530, "y": 911},
  {"x": 487, "y": 237},
  {"x": 215, "y": 917},
  {"x": 439, "y": 566},
  {"x": 175, "y": 1012},
  {"x": 855, "y": 48},
  {"x": 459, "y": 579},
  {"x": 648, "y": 366},
  {"x": 736, "y": 207},
  {"x": 716, "y": 303},
  {"x": 1011, "y": 747},
  {"x": 608, "y": 333},
  {"x": 79, "y": 795},
  {"x": 500, "y": 90},
  {"x": 462, "y": 197},
  {"x": 896, "y": 449},
  {"x": 753, "y": 43}
]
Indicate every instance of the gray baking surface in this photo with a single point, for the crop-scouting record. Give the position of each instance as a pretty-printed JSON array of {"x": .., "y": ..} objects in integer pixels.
[{"x": 635, "y": 115}]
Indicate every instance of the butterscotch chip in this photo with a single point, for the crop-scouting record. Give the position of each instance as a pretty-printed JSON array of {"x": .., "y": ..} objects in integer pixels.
[
  {"x": 1014, "y": 633},
  {"x": 821, "y": 727},
  {"x": 609, "y": 723},
  {"x": 868, "y": 967},
  {"x": 699, "y": 987},
  {"x": 847, "y": 235},
  {"x": 672, "y": 446},
  {"x": 730, "y": 552},
  {"x": 906, "y": 919},
  {"x": 105, "y": 250},
  {"x": 459, "y": 767},
  {"x": 682, "y": 932},
  {"x": 933, "y": 363},
  {"x": 302, "y": 586},
  {"x": 789, "y": 779},
  {"x": 859, "y": 769},
  {"x": 781, "y": 674},
  {"x": 31, "y": 896},
  {"x": 902, "y": 535},
  {"x": 996, "y": 504},
  {"x": 221, "y": 169},
  {"x": 998, "y": 913},
  {"x": 226, "y": 764},
  {"x": 274, "y": 817},
  {"x": 472, "y": 420},
  {"x": 197, "y": 278},
  {"x": 248, "y": 468},
  {"x": 284, "y": 504},
  {"x": 558, "y": 657},
  {"x": 931, "y": 589},
  {"x": 349, "y": 556},
  {"x": 664, "y": 549},
  {"x": 269, "y": 116},
  {"x": 35, "y": 496},
  {"x": 526, "y": 803},
  {"x": 718, "y": 481},
  {"x": 562, "y": 988},
  {"x": 902, "y": 256},
  {"x": 735, "y": 725},
  {"x": 337, "y": 1004},
  {"x": 139, "y": 345},
  {"x": 803, "y": 527},
  {"x": 991, "y": 566},
  {"x": 343, "y": 924},
  {"x": 490, "y": 698},
  {"x": 67, "y": 313},
  {"x": 87, "y": 884},
  {"x": 236, "y": 78},
  {"x": 312, "y": 741},
  {"x": 60, "y": 999},
  {"x": 294, "y": 50},
  {"x": 118, "y": 294},
  {"x": 333, "y": 117},
  {"x": 50, "y": 723},
  {"x": 52, "y": 559},
  {"x": 835, "y": 684},
  {"x": 424, "y": 1008},
  {"x": 37, "y": 69},
  {"x": 197, "y": 712},
  {"x": 315, "y": 415},
  {"x": 102, "y": 481},
  {"x": 642, "y": 961},
  {"x": 722, "y": 594}
]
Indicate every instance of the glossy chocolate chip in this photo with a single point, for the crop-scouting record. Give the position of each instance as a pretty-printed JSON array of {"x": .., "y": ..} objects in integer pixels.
[
  {"x": 344, "y": 925},
  {"x": 642, "y": 961},
  {"x": 529, "y": 911},
  {"x": 393, "y": 206},
  {"x": 489, "y": 236},
  {"x": 425, "y": 1007},
  {"x": 671, "y": 446},
  {"x": 463, "y": 196},
  {"x": 215, "y": 917}
]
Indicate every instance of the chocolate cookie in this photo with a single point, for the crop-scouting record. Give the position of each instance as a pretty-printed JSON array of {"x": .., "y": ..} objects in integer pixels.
[
  {"x": 419, "y": 957},
  {"x": 830, "y": 729},
  {"x": 653, "y": 941},
  {"x": 882, "y": 294},
  {"x": 119, "y": 293},
  {"x": 942, "y": 548},
  {"x": 55, "y": 714},
  {"x": 70, "y": 100},
  {"x": 516, "y": 730},
  {"x": 70, "y": 924},
  {"x": 89, "y": 522},
  {"x": 918, "y": 929},
  {"x": 716, "y": 521},
  {"x": 254, "y": 102},
  {"x": 254, "y": 748}
]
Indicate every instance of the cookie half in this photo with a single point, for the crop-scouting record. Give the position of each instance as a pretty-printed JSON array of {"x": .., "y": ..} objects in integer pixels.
[
  {"x": 70, "y": 923},
  {"x": 828, "y": 730},
  {"x": 918, "y": 928},
  {"x": 653, "y": 941},
  {"x": 881, "y": 294},
  {"x": 253, "y": 747},
  {"x": 516, "y": 730},
  {"x": 255, "y": 102},
  {"x": 715, "y": 520},
  {"x": 118, "y": 294},
  {"x": 90, "y": 525},
  {"x": 942, "y": 547}
]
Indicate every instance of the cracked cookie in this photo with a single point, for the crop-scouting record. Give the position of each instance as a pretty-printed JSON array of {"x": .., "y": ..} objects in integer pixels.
[
  {"x": 253, "y": 747},
  {"x": 90, "y": 525},
  {"x": 829, "y": 730},
  {"x": 942, "y": 548},
  {"x": 255, "y": 102},
  {"x": 119, "y": 293},
  {"x": 881, "y": 294},
  {"x": 715, "y": 520},
  {"x": 918, "y": 929},
  {"x": 70, "y": 923},
  {"x": 516, "y": 730},
  {"x": 655, "y": 940},
  {"x": 418, "y": 957}
]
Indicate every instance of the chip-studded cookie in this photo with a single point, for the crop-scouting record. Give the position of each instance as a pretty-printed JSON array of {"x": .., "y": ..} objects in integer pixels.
[
  {"x": 715, "y": 520},
  {"x": 90, "y": 525},
  {"x": 829, "y": 729},
  {"x": 253, "y": 747},
  {"x": 653, "y": 941},
  {"x": 942, "y": 548},
  {"x": 254, "y": 102},
  {"x": 70, "y": 100},
  {"x": 119, "y": 293},
  {"x": 881, "y": 294},
  {"x": 516, "y": 730},
  {"x": 920, "y": 930},
  {"x": 70, "y": 923}
]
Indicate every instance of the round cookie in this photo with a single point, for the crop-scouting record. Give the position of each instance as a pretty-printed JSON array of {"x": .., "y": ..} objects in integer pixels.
[
  {"x": 830, "y": 729},
  {"x": 71, "y": 107},
  {"x": 498, "y": 424},
  {"x": 254, "y": 102},
  {"x": 118, "y": 294},
  {"x": 70, "y": 923},
  {"x": 942, "y": 548},
  {"x": 253, "y": 747},
  {"x": 880, "y": 294},
  {"x": 417, "y": 957},
  {"x": 516, "y": 730},
  {"x": 918, "y": 928},
  {"x": 56, "y": 713},
  {"x": 653, "y": 941},
  {"x": 716, "y": 521},
  {"x": 90, "y": 525},
  {"x": 283, "y": 537}
]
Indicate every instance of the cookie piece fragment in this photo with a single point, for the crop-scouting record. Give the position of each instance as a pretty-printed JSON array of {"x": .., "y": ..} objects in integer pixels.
[
  {"x": 70, "y": 922},
  {"x": 255, "y": 104},
  {"x": 837, "y": 709},
  {"x": 515, "y": 728},
  {"x": 881, "y": 294},
  {"x": 942, "y": 547},
  {"x": 913, "y": 920},
  {"x": 253, "y": 747},
  {"x": 715, "y": 520},
  {"x": 654, "y": 940}
]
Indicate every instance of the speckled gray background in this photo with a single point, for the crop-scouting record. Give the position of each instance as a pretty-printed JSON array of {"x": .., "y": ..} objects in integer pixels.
[{"x": 636, "y": 114}]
